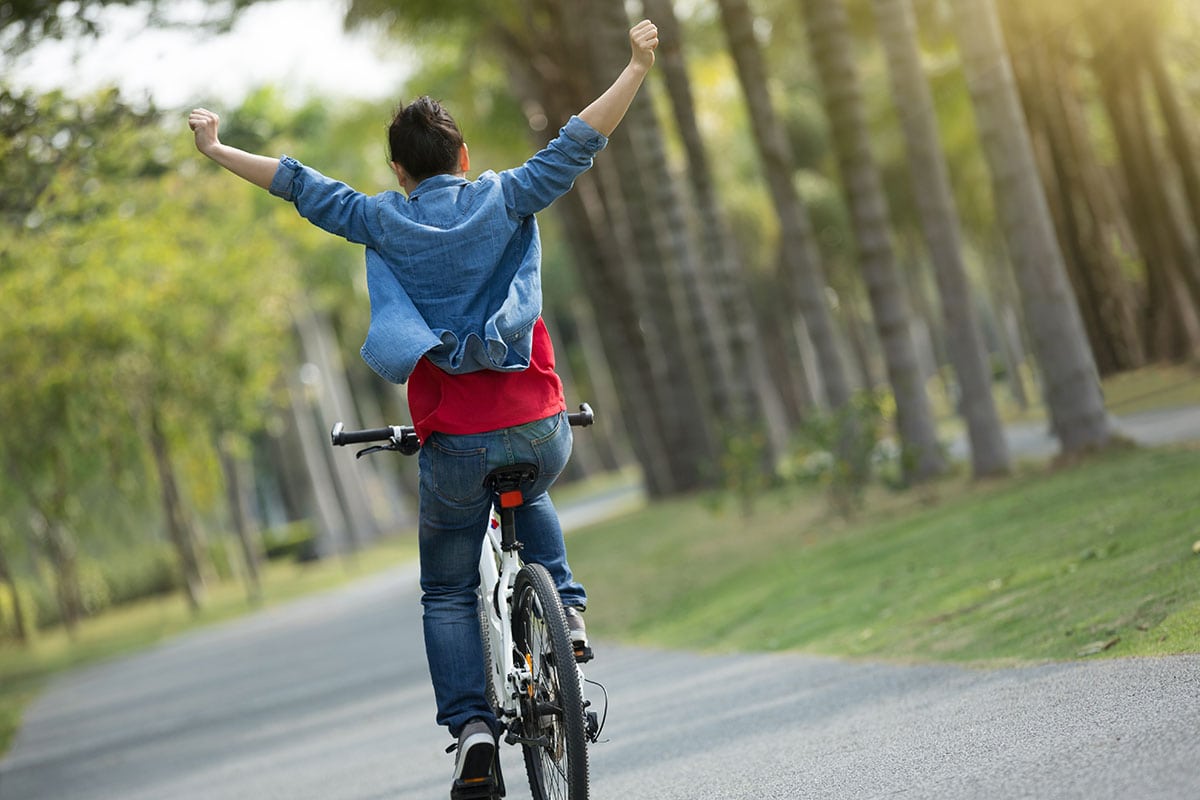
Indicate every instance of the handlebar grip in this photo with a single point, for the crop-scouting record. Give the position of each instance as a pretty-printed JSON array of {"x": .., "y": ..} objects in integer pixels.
[
  {"x": 340, "y": 436},
  {"x": 582, "y": 418}
]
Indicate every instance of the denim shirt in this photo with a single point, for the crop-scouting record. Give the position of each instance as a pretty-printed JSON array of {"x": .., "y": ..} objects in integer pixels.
[{"x": 454, "y": 268}]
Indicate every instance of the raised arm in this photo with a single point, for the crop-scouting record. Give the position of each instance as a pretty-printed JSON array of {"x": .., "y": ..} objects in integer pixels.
[
  {"x": 607, "y": 110},
  {"x": 259, "y": 170}
]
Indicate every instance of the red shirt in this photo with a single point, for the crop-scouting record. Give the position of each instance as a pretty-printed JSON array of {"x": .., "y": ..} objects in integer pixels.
[{"x": 478, "y": 402}]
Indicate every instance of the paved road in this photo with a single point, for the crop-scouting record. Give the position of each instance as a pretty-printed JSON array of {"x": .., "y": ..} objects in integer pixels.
[
  {"x": 328, "y": 698},
  {"x": 1033, "y": 440}
]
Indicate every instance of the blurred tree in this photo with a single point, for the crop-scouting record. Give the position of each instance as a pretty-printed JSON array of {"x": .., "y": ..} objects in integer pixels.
[
  {"x": 601, "y": 235},
  {"x": 51, "y": 386},
  {"x": 664, "y": 273},
  {"x": 935, "y": 204},
  {"x": 1120, "y": 46},
  {"x": 802, "y": 271},
  {"x": 123, "y": 314},
  {"x": 1078, "y": 190},
  {"x": 746, "y": 398},
  {"x": 1072, "y": 386},
  {"x": 833, "y": 51}
]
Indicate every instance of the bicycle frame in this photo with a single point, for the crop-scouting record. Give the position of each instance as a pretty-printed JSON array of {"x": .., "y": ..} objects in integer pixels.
[{"x": 497, "y": 576}]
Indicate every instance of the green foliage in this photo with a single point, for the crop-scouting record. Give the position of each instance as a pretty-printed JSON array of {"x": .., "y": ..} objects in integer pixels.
[
  {"x": 131, "y": 280},
  {"x": 745, "y": 471},
  {"x": 843, "y": 450},
  {"x": 148, "y": 570},
  {"x": 295, "y": 541},
  {"x": 9, "y": 624},
  {"x": 133, "y": 574}
]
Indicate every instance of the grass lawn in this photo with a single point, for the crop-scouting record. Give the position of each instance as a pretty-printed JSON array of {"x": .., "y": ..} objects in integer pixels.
[{"x": 1046, "y": 565}]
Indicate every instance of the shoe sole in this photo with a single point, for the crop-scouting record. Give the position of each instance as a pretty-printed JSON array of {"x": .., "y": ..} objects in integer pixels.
[{"x": 475, "y": 760}]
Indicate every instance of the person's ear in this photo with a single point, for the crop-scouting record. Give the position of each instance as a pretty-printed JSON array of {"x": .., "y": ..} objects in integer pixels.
[
  {"x": 464, "y": 159},
  {"x": 398, "y": 171}
]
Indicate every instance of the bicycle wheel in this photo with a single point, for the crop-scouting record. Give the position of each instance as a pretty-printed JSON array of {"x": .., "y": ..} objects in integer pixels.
[
  {"x": 552, "y": 716},
  {"x": 485, "y": 636}
]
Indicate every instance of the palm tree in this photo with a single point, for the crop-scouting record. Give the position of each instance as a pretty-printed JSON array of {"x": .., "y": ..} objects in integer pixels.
[
  {"x": 943, "y": 236},
  {"x": 1119, "y": 46},
  {"x": 750, "y": 399},
  {"x": 598, "y": 232},
  {"x": 1071, "y": 384},
  {"x": 833, "y": 51},
  {"x": 1078, "y": 189},
  {"x": 798, "y": 254},
  {"x": 664, "y": 262}
]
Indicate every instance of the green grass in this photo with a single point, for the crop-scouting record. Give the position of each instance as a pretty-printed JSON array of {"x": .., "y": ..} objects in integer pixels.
[{"x": 1043, "y": 566}]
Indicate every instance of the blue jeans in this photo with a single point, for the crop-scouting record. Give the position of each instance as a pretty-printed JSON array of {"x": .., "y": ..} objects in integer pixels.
[{"x": 454, "y": 510}]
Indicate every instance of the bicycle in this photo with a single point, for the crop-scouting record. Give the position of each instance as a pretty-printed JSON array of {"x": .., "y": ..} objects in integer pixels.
[{"x": 534, "y": 676}]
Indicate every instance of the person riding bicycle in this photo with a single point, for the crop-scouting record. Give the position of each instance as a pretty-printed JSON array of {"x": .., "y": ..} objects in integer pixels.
[{"x": 454, "y": 277}]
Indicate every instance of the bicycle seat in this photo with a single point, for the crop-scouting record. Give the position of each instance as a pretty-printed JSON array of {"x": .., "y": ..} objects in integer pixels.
[
  {"x": 511, "y": 478},
  {"x": 507, "y": 483}
]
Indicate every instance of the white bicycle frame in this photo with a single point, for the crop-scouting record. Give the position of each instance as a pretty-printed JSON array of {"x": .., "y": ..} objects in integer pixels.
[{"x": 497, "y": 577}]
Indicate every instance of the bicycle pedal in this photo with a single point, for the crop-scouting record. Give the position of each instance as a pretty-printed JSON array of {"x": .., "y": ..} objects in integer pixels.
[
  {"x": 583, "y": 654},
  {"x": 513, "y": 738},
  {"x": 477, "y": 789}
]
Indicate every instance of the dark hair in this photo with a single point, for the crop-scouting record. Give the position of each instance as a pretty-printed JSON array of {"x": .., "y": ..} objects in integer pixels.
[{"x": 425, "y": 139}]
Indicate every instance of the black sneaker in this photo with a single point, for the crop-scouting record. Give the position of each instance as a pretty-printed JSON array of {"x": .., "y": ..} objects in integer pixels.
[
  {"x": 473, "y": 773},
  {"x": 578, "y": 632}
]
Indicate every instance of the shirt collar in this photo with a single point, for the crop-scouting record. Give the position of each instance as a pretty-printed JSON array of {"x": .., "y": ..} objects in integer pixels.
[{"x": 436, "y": 182}]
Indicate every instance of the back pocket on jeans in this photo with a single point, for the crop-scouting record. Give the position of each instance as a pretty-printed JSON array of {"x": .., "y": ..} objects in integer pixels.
[{"x": 457, "y": 474}]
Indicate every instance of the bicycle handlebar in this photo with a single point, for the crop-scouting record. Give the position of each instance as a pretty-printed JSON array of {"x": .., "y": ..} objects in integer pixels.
[
  {"x": 340, "y": 436},
  {"x": 404, "y": 437},
  {"x": 583, "y": 417}
]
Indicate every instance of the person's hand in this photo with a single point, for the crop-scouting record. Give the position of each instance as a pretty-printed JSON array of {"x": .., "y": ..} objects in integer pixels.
[
  {"x": 204, "y": 124},
  {"x": 643, "y": 38}
]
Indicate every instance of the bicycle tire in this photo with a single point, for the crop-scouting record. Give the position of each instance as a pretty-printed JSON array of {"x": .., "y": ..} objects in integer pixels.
[
  {"x": 553, "y": 708},
  {"x": 485, "y": 637}
]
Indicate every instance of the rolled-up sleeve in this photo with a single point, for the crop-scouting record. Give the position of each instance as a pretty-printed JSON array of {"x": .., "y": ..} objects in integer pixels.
[
  {"x": 551, "y": 172},
  {"x": 330, "y": 205}
]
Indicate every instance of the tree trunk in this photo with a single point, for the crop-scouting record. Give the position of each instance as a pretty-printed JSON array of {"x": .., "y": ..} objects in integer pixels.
[
  {"x": 9, "y": 580},
  {"x": 585, "y": 460},
  {"x": 236, "y": 496},
  {"x": 631, "y": 295},
  {"x": 332, "y": 534},
  {"x": 179, "y": 527},
  {"x": 663, "y": 266},
  {"x": 619, "y": 333},
  {"x": 1071, "y": 383},
  {"x": 601, "y": 251},
  {"x": 328, "y": 387},
  {"x": 49, "y": 534},
  {"x": 1179, "y": 127},
  {"x": 833, "y": 51},
  {"x": 802, "y": 268},
  {"x": 610, "y": 444},
  {"x": 1076, "y": 189},
  {"x": 1171, "y": 326},
  {"x": 745, "y": 399},
  {"x": 943, "y": 237}
]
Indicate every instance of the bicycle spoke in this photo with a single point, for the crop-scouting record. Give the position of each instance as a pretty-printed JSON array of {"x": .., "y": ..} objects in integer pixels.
[{"x": 556, "y": 755}]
